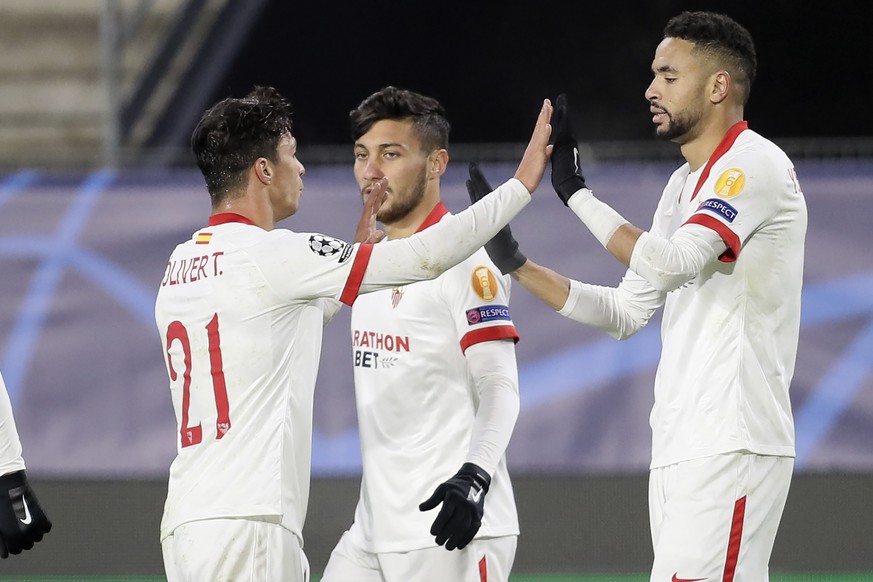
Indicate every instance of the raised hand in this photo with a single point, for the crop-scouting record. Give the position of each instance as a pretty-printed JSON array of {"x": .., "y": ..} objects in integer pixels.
[
  {"x": 567, "y": 176},
  {"x": 533, "y": 163}
]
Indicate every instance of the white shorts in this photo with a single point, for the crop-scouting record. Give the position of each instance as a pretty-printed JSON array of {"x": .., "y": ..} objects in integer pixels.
[
  {"x": 482, "y": 560},
  {"x": 716, "y": 518},
  {"x": 241, "y": 550}
]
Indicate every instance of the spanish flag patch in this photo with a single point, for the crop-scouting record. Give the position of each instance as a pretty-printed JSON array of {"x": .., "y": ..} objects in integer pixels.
[{"x": 203, "y": 238}]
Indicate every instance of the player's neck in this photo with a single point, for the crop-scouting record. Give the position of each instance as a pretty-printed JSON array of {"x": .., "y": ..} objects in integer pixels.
[
  {"x": 698, "y": 150},
  {"x": 411, "y": 223},
  {"x": 255, "y": 208}
]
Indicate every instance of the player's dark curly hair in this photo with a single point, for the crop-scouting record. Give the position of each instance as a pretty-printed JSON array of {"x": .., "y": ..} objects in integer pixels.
[
  {"x": 722, "y": 38},
  {"x": 233, "y": 133},
  {"x": 428, "y": 116}
]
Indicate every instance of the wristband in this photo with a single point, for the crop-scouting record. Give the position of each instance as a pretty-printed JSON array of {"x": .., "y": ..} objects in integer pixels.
[{"x": 598, "y": 216}]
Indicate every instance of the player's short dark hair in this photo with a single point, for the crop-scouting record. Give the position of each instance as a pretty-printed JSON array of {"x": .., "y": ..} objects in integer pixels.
[
  {"x": 233, "y": 133},
  {"x": 721, "y": 37},
  {"x": 428, "y": 117}
]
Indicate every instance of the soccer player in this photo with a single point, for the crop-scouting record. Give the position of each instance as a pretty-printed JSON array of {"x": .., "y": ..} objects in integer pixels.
[
  {"x": 22, "y": 520},
  {"x": 724, "y": 257},
  {"x": 436, "y": 383},
  {"x": 240, "y": 311}
]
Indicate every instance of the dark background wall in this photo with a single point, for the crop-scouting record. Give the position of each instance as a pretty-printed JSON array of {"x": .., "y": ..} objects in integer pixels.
[{"x": 491, "y": 63}]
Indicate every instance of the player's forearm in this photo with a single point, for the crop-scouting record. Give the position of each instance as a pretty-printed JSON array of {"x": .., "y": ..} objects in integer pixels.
[
  {"x": 670, "y": 263},
  {"x": 619, "y": 311},
  {"x": 494, "y": 370},
  {"x": 428, "y": 254},
  {"x": 550, "y": 287},
  {"x": 611, "y": 229}
]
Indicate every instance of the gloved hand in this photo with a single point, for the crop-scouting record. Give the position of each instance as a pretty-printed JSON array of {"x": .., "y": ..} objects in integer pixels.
[
  {"x": 503, "y": 248},
  {"x": 567, "y": 177},
  {"x": 463, "y": 499},
  {"x": 22, "y": 520}
]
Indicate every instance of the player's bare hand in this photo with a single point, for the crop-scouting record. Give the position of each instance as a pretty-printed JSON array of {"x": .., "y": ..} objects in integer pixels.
[
  {"x": 536, "y": 155},
  {"x": 374, "y": 195}
]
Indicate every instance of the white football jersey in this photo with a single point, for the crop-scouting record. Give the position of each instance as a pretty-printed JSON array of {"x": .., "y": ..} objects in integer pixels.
[
  {"x": 240, "y": 314},
  {"x": 10, "y": 445},
  {"x": 730, "y": 335},
  {"x": 416, "y": 399}
]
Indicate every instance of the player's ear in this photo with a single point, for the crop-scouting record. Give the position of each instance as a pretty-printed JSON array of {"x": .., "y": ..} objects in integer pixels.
[
  {"x": 437, "y": 162},
  {"x": 721, "y": 86},
  {"x": 263, "y": 170}
]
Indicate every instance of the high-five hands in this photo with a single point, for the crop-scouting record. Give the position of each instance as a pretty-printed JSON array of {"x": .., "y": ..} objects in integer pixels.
[
  {"x": 503, "y": 248},
  {"x": 567, "y": 176},
  {"x": 22, "y": 520},
  {"x": 463, "y": 499}
]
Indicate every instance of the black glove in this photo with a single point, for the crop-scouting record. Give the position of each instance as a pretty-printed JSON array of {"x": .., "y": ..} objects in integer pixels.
[
  {"x": 22, "y": 520},
  {"x": 463, "y": 499},
  {"x": 567, "y": 177},
  {"x": 503, "y": 248}
]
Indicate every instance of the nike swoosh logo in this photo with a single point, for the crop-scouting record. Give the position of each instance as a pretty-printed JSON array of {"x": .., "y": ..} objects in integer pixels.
[
  {"x": 27, "y": 518},
  {"x": 676, "y": 578}
]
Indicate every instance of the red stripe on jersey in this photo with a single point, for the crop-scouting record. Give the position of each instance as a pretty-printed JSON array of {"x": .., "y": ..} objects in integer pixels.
[
  {"x": 435, "y": 216},
  {"x": 483, "y": 570},
  {"x": 487, "y": 334},
  {"x": 726, "y": 142},
  {"x": 733, "y": 552},
  {"x": 356, "y": 276},
  {"x": 727, "y": 235},
  {"x": 225, "y": 217}
]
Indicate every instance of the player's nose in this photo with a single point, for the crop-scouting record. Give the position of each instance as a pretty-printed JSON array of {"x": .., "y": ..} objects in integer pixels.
[
  {"x": 372, "y": 171},
  {"x": 651, "y": 94}
]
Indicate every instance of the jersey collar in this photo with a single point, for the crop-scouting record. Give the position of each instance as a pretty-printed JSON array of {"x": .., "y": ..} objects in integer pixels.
[
  {"x": 435, "y": 215},
  {"x": 225, "y": 217},
  {"x": 726, "y": 142}
]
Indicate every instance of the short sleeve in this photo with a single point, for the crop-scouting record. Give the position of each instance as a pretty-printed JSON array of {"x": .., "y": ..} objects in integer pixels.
[
  {"x": 307, "y": 266},
  {"x": 741, "y": 195},
  {"x": 477, "y": 296}
]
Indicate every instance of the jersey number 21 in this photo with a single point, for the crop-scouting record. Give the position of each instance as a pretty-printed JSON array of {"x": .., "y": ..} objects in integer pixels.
[{"x": 191, "y": 435}]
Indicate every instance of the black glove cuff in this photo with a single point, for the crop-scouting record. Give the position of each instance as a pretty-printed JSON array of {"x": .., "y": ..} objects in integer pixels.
[
  {"x": 479, "y": 474},
  {"x": 13, "y": 480},
  {"x": 512, "y": 263},
  {"x": 568, "y": 187},
  {"x": 506, "y": 259}
]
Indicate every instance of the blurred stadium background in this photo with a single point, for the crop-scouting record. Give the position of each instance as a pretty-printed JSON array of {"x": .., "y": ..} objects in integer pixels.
[{"x": 98, "y": 99}]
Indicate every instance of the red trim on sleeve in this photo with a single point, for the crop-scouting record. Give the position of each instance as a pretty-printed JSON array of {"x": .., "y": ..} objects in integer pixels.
[
  {"x": 487, "y": 334},
  {"x": 225, "y": 217},
  {"x": 733, "y": 551},
  {"x": 356, "y": 276},
  {"x": 483, "y": 570},
  {"x": 727, "y": 141},
  {"x": 726, "y": 234}
]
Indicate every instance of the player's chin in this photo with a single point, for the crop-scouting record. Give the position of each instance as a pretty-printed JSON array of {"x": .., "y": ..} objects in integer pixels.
[{"x": 290, "y": 209}]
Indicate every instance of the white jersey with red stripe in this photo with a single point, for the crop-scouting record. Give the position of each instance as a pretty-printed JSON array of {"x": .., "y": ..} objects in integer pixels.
[
  {"x": 240, "y": 312},
  {"x": 416, "y": 399},
  {"x": 730, "y": 335}
]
